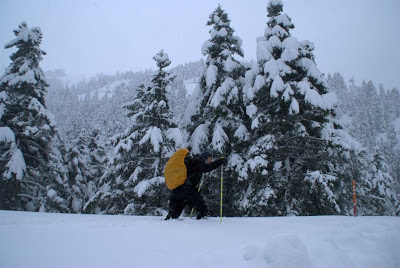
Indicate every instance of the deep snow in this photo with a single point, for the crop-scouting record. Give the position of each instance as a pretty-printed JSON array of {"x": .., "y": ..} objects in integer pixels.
[{"x": 64, "y": 240}]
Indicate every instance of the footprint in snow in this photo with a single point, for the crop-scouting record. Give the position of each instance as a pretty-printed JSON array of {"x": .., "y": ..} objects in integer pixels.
[{"x": 286, "y": 251}]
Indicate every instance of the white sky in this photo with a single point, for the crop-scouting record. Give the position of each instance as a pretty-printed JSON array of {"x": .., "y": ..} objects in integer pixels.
[{"x": 85, "y": 37}]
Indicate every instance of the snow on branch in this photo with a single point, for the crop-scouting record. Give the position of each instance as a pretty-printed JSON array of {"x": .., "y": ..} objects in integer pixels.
[
  {"x": 134, "y": 176},
  {"x": 316, "y": 177},
  {"x": 175, "y": 135},
  {"x": 52, "y": 194},
  {"x": 220, "y": 33},
  {"x": 199, "y": 137},
  {"x": 263, "y": 50},
  {"x": 326, "y": 101},
  {"x": 28, "y": 77},
  {"x": 294, "y": 107},
  {"x": 222, "y": 91},
  {"x": 41, "y": 110},
  {"x": 6, "y": 135},
  {"x": 206, "y": 47},
  {"x": 211, "y": 75},
  {"x": 3, "y": 97},
  {"x": 219, "y": 138},
  {"x": 311, "y": 69},
  {"x": 277, "y": 86},
  {"x": 16, "y": 165},
  {"x": 291, "y": 49},
  {"x": 162, "y": 59},
  {"x": 24, "y": 34},
  {"x": 341, "y": 138},
  {"x": 242, "y": 133},
  {"x": 144, "y": 185},
  {"x": 155, "y": 137},
  {"x": 251, "y": 110}
]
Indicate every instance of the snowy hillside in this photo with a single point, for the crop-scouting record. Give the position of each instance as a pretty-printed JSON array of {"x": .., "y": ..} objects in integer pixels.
[
  {"x": 107, "y": 90},
  {"x": 65, "y": 240},
  {"x": 190, "y": 85}
]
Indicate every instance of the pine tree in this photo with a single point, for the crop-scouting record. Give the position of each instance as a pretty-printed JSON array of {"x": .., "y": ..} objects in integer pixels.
[
  {"x": 366, "y": 117},
  {"x": 369, "y": 116},
  {"x": 390, "y": 148},
  {"x": 377, "y": 194},
  {"x": 215, "y": 117},
  {"x": 97, "y": 160},
  {"x": 289, "y": 169},
  {"x": 78, "y": 169},
  {"x": 134, "y": 183},
  {"x": 34, "y": 159},
  {"x": 86, "y": 166},
  {"x": 381, "y": 116},
  {"x": 337, "y": 84},
  {"x": 178, "y": 100},
  {"x": 393, "y": 98}
]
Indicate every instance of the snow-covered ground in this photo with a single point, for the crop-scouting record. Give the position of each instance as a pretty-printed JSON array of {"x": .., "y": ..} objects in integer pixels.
[{"x": 62, "y": 240}]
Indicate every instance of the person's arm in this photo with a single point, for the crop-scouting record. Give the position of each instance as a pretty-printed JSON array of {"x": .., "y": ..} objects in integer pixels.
[{"x": 203, "y": 167}]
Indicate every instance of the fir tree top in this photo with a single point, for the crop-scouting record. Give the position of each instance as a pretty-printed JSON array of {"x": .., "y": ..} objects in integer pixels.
[
  {"x": 287, "y": 66},
  {"x": 278, "y": 23},
  {"x": 162, "y": 59},
  {"x": 222, "y": 43},
  {"x": 24, "y": 69}
]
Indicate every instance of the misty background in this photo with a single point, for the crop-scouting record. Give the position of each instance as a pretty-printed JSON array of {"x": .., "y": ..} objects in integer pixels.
[{"x": 357, "y": 38}]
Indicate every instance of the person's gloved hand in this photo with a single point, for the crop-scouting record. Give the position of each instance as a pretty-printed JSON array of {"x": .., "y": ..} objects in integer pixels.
[{"x": 223, "y": 159}]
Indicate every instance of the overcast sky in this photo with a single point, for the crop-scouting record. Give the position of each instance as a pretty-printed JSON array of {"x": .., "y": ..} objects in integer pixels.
[{"x": 85, "y": 37}]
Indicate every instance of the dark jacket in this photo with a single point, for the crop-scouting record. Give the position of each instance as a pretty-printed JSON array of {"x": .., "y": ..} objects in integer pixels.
[{"x": 196, "y": 166}]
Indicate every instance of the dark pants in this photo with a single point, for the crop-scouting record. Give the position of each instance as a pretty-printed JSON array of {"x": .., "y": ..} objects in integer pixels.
[{"x": 186, "y": 196}]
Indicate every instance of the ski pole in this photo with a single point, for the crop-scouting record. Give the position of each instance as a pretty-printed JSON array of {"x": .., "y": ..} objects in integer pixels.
[
  {"x": 200, "y": 184},
  {"x": 222, "y": 187}
]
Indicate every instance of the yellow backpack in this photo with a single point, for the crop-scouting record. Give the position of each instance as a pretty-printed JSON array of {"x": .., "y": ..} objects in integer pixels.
[{"x": 175, "y": 172}]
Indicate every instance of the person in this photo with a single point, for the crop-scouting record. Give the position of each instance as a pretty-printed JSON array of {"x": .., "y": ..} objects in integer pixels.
[{"x": 188, "y": 193}]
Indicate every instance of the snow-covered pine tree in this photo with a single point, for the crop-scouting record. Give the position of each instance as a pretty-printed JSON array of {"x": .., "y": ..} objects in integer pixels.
[
  {"x": 215, "y": 117},
  {"x": 77, "y": 160},
  {"x": 381, "y": 116},
  {"x": 365, "y": 118},
  {"x": 134, "y": 183},
  {"x": 371, "y": 119},
  {"x": 34, "y": 158},
  {"x": 177, "y": 100},
  {"x": 393, "y": 106},
  {"x": 337, "y": 84},
  {"x": 390, "y": 147},
  {"x": 377, "y": 193},
  {"x": 97, "y": 159},
  {"x": 86, "y": 165},
  {"x": 393, "y": 99},
  {"x": 289, "y": 168}
]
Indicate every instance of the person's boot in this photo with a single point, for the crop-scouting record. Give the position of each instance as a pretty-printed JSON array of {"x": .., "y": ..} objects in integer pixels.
[{"x": 168, "y": 217}]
